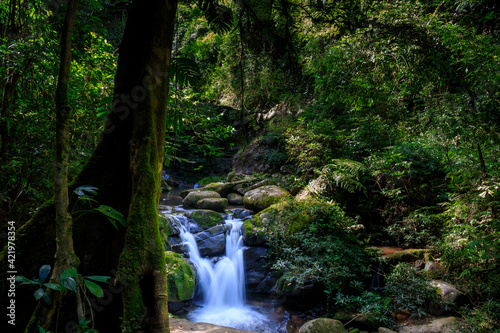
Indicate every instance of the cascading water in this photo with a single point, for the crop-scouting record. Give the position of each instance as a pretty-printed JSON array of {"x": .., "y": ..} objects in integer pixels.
[{"x": 222, "y": 284}]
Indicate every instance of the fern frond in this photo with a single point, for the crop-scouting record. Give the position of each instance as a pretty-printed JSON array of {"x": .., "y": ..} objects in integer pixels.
[{"x": 342, "y": 173}]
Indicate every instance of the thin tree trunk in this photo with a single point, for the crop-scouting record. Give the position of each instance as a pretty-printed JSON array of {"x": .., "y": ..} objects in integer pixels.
[
  {"x": 65, "y": 253},
  {"x": 147, "y": 43},
  {"x": 10, "y": 84}
]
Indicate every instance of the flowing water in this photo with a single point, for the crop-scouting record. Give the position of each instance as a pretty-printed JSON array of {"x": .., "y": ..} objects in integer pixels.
[{"x": 222, "y": 284}]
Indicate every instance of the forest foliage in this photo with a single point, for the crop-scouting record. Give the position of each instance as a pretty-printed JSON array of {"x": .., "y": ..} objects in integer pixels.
[{"x": 408, "y": 91}]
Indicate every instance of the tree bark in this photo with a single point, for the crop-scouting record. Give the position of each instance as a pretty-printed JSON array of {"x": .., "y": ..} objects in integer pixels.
[
  {"x": 10, "y": 84},
  {"x": 120, "y": 173},
  {"x": 65, "y": 254},
  {"x": 147, "y": 43}
]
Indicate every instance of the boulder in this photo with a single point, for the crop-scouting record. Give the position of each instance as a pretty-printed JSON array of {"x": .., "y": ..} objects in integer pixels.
[
  {"x": 263, "y": 197},
  {"x": 264, "y": 182},
  {"x": 193, "y": 197},
  {"x": 256, "y": 265},
  {"x": 211, "y": 242},
  {"x": 252, "y": 236},
  {"x": 234, "y": 177},
  {"x": 242, "y": 213},
  {"x": 205, "y": 218},
  {"x": 323, "y": 325},
  {"x": 440, "y": 325},
  {"x": 447, "y": 291},
  {"x": 181, "y": 278},
  {"x": 266, "y": 286},
  {"x": 235, "y": 199},
  {"x": 215, "y": 204},
  {"x": 432, "y": 267}
]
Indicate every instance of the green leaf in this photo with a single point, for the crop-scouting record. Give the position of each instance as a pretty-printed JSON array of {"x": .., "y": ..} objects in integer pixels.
[
  {"x": 38, "y": 293},
  {"x": 72, "y": 272},
  {"x": 55, "y": 286},
  {"x": 23, "y": 279},
  {"x": 85, "y": 188},
  {"x": 99, "y": 278},
  {"x": 69, "y": 283},
  {"x": 46, "y": 298},
  {"x": 41, "y": 330},
  {"x": 112, "y": 214},
  {"x": 44, "y": 272},
  {"x": 94, "y": 288}
]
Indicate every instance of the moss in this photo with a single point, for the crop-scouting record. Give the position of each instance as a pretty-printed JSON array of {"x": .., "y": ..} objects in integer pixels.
[
  {"x": 323, "y": 325},
  {"x": 181, "y": 278},
  {"x": 428, "y": 257},
  {"x": 410, "y": 255},
  {"x": 206, "y": 218},
  {"x": 248, "y": 226}
]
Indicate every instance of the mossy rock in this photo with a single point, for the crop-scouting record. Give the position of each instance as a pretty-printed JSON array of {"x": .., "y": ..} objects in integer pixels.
[
  {"x": 251, "y": 235},
  {"x": 206, "y": 218},
  {"x": 216, "y": 204},
  {"x": 233, "y": 177},
  {"x": 193, "y": 197},
  {"x": 410, "y": 255},
  {"x": 235, "y": 199},
  {"x": 263, "y": 197},
  {"x": 181, "y": 278},
  {"x": 296, "y": 213},
  {"x": 323, "y": 325}
]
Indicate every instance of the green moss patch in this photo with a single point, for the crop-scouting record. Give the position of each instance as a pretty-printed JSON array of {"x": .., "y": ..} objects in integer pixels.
[
  {"x": 181, "y": 278},
  {"x": 206, "y": 218}
]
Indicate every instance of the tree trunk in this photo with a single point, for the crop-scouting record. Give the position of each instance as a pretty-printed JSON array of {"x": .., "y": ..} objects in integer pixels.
[
  {"x": 10, "y": 84},
  {"x": 140, "y": 92},
  {"x": 147, "y": 43},
  {"x": 65, "y": 253}
]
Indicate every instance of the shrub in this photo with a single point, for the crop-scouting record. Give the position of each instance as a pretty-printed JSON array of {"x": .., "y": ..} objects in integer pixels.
[
  {"x": 309, "y": 240},
  {"x": 410, "y": 290}
]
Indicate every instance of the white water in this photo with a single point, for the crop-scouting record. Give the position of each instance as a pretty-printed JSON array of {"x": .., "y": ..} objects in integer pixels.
[{"x": 223, "y": 284}]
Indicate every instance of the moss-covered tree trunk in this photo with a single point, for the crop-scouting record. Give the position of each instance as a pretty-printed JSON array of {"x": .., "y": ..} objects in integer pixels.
[
  {"x": 65, "y": 256},
  {"x": 126, "y": 164},
  {"x": 146, "y": 44}
]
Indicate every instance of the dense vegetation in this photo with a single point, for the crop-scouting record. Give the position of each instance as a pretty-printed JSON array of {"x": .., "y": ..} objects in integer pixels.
[{"x": 386, "y": 111}]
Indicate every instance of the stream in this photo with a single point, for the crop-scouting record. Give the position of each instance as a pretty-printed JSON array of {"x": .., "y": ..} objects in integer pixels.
[{"x": 221, "y": 295}]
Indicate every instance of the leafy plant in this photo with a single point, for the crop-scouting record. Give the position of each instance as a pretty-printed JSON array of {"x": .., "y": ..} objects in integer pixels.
[
  {"x": 69, "y": 280},
  {"x": 85, "y": 193},
  {"x": 410, "y": 290}
]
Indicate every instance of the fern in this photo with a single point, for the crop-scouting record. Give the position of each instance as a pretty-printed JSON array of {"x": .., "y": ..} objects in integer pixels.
[{"x": 343, "y": 173}]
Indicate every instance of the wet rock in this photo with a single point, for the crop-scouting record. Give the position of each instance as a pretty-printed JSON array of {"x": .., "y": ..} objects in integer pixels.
[
  {"x": 235, "y": 199},
  {"x": 440, "y": 325},
  {"x": 181, "y": 279},
  {"x": 323, "y": 325},
  {"x": 205, "y": 218},
  {"x": 180, "y": 248},
  {"x": 211, "y": 242},
  {"x": 263, "y": 197},
  {"x": 240, "y": 213},
  {"x": 193, "y": 197},
  {"x": 215, "y": 204},
  {"x": 267, "y": 285},
  {"x": 252, "y": 235}
]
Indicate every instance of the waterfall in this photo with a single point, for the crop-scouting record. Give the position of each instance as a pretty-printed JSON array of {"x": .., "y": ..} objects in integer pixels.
[{"x": 222, "y": 284}]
